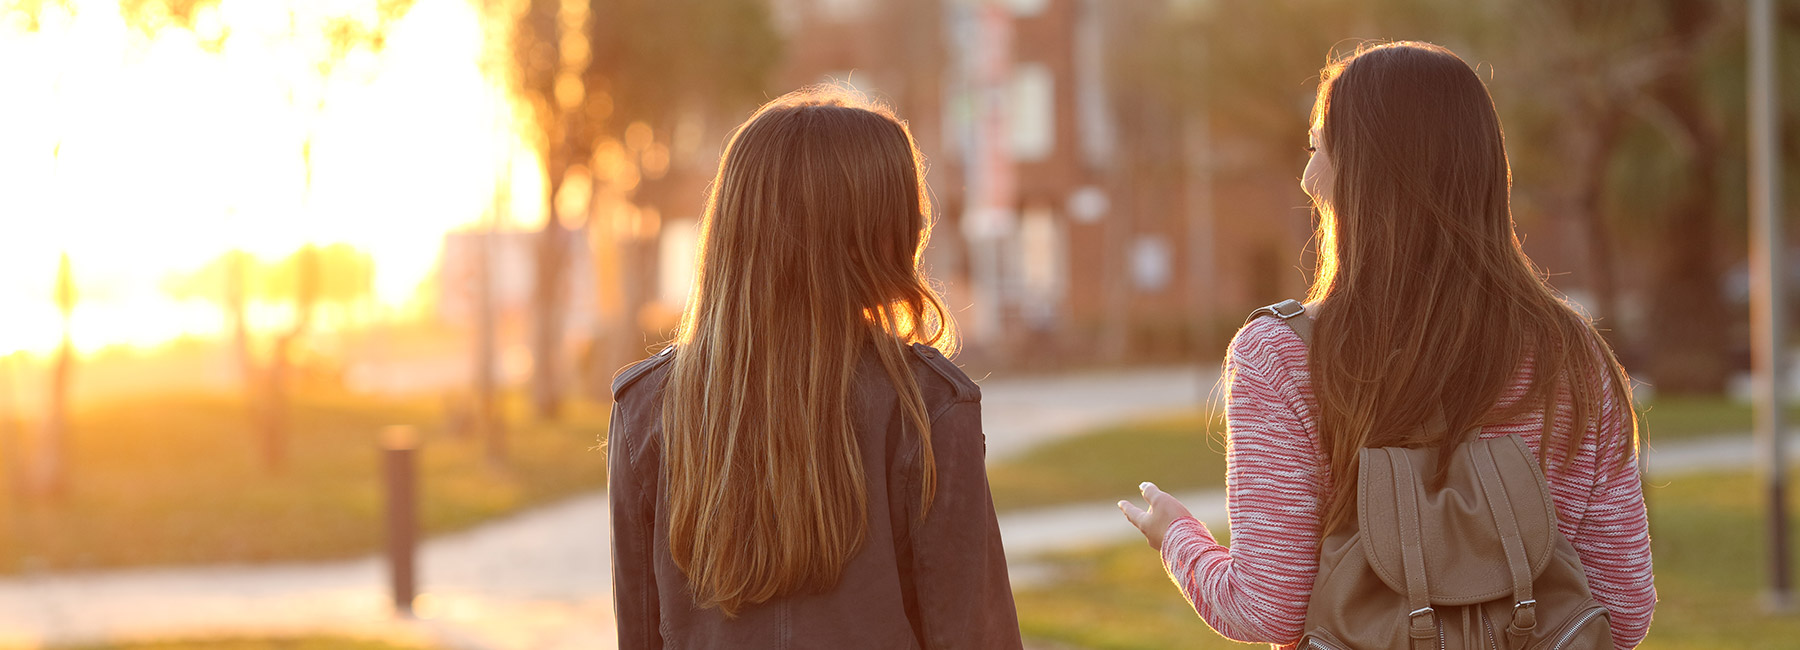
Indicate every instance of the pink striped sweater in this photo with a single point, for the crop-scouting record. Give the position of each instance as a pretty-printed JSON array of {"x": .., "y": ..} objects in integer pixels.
[{"x": 1256, "y": 589}]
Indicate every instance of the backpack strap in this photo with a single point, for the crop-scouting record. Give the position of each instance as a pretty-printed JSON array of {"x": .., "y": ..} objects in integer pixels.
[
  {"x": 1292, "y": 312},
  {"x": 1422, "y": 620},
  {"x": 1512, "y": 542}
]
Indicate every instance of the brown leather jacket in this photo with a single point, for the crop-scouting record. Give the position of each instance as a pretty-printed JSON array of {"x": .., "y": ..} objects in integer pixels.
[{"x": 936, "y": 583}]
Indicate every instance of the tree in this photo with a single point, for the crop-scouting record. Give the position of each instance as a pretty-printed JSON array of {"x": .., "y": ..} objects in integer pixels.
[
  {"x": 1612, "y": 111},
  {"x": 607, "y": 80},
  {"x": 325, "y": 39},
  {"x": 49, "y": 477},
  {"x": 1619, "y": 92},
  {"x": 1687, "y": 312},
  {"x": 12, "y": 447},
  {"x": 311, "y": 277}
]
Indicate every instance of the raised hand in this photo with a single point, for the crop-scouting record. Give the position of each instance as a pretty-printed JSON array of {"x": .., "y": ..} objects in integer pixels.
[{"x": 1154, "y": 522}]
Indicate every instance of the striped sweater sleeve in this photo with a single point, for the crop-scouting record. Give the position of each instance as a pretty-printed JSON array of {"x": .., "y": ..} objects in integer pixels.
[
  {"x": 1614, "y": 537},
  {"x": 1256, "y": 590}
]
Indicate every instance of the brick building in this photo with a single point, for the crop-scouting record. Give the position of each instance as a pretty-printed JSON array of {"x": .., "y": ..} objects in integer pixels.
[{"x": 1078, "y": 221}]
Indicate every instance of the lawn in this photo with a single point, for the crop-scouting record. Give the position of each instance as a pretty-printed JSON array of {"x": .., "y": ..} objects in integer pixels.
[
  {"x": 293, "y": 643},
  {"x": 1708, "y": 541},
  {"x": 175, "y": 480},
  {"x": 1172, "y": 452},
  {"x": 1186, "y": 452},
  {"x": 1671, "y": 418}
]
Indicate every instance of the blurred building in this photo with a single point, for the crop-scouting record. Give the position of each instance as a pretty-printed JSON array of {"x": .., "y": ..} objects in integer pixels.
[
  {"x": 513, "y": 263},
  {"x": 1078, "y": 221}
]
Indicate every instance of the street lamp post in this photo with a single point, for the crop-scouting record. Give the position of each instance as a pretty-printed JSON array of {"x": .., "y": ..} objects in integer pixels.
[{"x": 1767, "y": 299}]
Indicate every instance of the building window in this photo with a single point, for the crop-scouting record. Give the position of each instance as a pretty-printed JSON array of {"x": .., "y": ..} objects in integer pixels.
[
  {"x": 1027, "y": 8},
  {"x": 1042, "y": 265},
  {"x": 852, "y": 80},
  {"x": 1151, "y": 258},
  {"x": 785, "y": 15},
  {"x": 1033, "y": 114},
  {"x": 843, "y": 10},
  {"x": 676, "y": 251}
]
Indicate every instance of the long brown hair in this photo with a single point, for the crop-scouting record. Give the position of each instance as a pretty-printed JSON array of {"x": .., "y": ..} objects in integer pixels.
[
  {"x": 1427, "y": 304},
  {"x": 810, "y": 250}
]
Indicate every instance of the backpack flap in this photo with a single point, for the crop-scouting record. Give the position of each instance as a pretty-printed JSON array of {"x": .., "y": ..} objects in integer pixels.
[{"x": 1461, "y": 530}]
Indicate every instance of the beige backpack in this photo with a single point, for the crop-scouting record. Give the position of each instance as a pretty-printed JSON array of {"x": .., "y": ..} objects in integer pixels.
[{"x": 1478, "y": 563}]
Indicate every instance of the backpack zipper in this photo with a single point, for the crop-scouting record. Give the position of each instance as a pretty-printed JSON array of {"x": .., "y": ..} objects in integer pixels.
[
  {"x": 1489, "y": 626},
  {"x": 1440, "y": 627},
  {"x": 1316, "y": 642},
  {"x": 1585, "y": 618}
]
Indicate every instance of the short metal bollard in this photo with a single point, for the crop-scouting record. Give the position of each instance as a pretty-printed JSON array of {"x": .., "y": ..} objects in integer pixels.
[{"x": 399, "y": 445}]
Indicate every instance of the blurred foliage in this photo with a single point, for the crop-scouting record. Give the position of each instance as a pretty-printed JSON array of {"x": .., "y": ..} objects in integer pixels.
[
  {"x": 30, "y": 13},
  {"x": 343, "y": 28},
  {"x": 1624, "y": 124},
  {"x": 644, "y": 61},
  {"x": 151, "y": 15},
  {"x": 282, "y": 643},
  {"x": 1708, "y": 582},
  {"x": 341, "y": 275},
  {"x": 173, "y": 474}
]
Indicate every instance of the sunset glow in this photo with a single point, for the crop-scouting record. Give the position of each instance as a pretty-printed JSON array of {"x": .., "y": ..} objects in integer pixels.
[{"x": 146, "y": 151}]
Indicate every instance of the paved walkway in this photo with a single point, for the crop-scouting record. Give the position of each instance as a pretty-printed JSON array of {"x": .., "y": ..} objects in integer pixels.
[
  {"x": 1020, "y": 413},
  {"x": 537, "y": 580},
  {"x": 541, "y": 580}
]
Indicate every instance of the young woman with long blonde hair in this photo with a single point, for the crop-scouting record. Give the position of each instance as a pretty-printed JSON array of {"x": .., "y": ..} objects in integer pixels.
[
  {"x": 802, "y": 468},
  {"x": 1428, "y": 323}
]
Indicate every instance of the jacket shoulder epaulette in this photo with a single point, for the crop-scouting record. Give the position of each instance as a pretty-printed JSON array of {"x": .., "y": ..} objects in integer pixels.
[
  {"x": 636, "y": 371},
  {"x": 964, "y": 388}
]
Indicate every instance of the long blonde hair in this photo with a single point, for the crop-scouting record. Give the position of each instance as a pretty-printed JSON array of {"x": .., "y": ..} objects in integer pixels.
[
  {"x": 810, "y": 254},
  {"x": 1428, "y": 305}
]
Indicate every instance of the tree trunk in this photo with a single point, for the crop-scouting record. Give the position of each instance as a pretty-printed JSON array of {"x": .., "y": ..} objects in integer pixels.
[
  {"x": 50, "y": 473},
  {"x": 487, "y": 407},
  {"x": 1590, "y": 144},
  {"x": 255, "y": 408},
  {"x": 272, "y": 408},
  {"x": 618, "y": 277},
  {"x": 1687, "y": 325},
  {"x": 11, "y": 444},
  {"x": 1689, "y": 352},
  {"x": 279, "y": 381},
  {"x": 549, "y": 298}
]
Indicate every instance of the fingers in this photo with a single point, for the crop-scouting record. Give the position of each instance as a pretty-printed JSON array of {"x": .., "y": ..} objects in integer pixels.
[
  {"x": 1159, "y": 500},
  {"x": 1151, "y": 492},
  {"x": 1133, "y": 513}
]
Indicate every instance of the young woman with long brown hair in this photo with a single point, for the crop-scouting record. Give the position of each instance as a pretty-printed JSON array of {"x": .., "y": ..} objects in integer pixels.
[
  {"x": 801, "y": 468},
  {"x": 1428, "y": 319}
]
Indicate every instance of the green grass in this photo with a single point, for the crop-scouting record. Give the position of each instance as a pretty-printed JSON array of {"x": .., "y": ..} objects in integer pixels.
[
  {"x": 293, "y": 643},
  {"x": 1671, "y": 418},
  {"x": 1108, "y": 465},
  {"x": 1706, "y": 531},
  {"x": 1177, "y": 453},
  {"x": 1113, "y": 598},
  {"x": 1711, "y": 556},
  {"x": 177, "y": 480}
]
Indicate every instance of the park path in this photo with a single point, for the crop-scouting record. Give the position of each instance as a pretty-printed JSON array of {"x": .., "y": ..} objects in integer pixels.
[
  {"x": 1020, "y": 413},
  {"x": 541, "y": 579}
]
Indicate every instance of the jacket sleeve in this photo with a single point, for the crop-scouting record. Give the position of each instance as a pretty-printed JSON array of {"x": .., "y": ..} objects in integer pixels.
[
  {"x": 633, "y": 532},
  {"x": 1256, "y": 590},
  {"x": 1614, "y": 538},
  {"x": 959, "y": 568}
]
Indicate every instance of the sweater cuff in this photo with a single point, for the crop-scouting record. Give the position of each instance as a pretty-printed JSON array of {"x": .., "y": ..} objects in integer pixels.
[{"x": 1184, "y": 533}]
